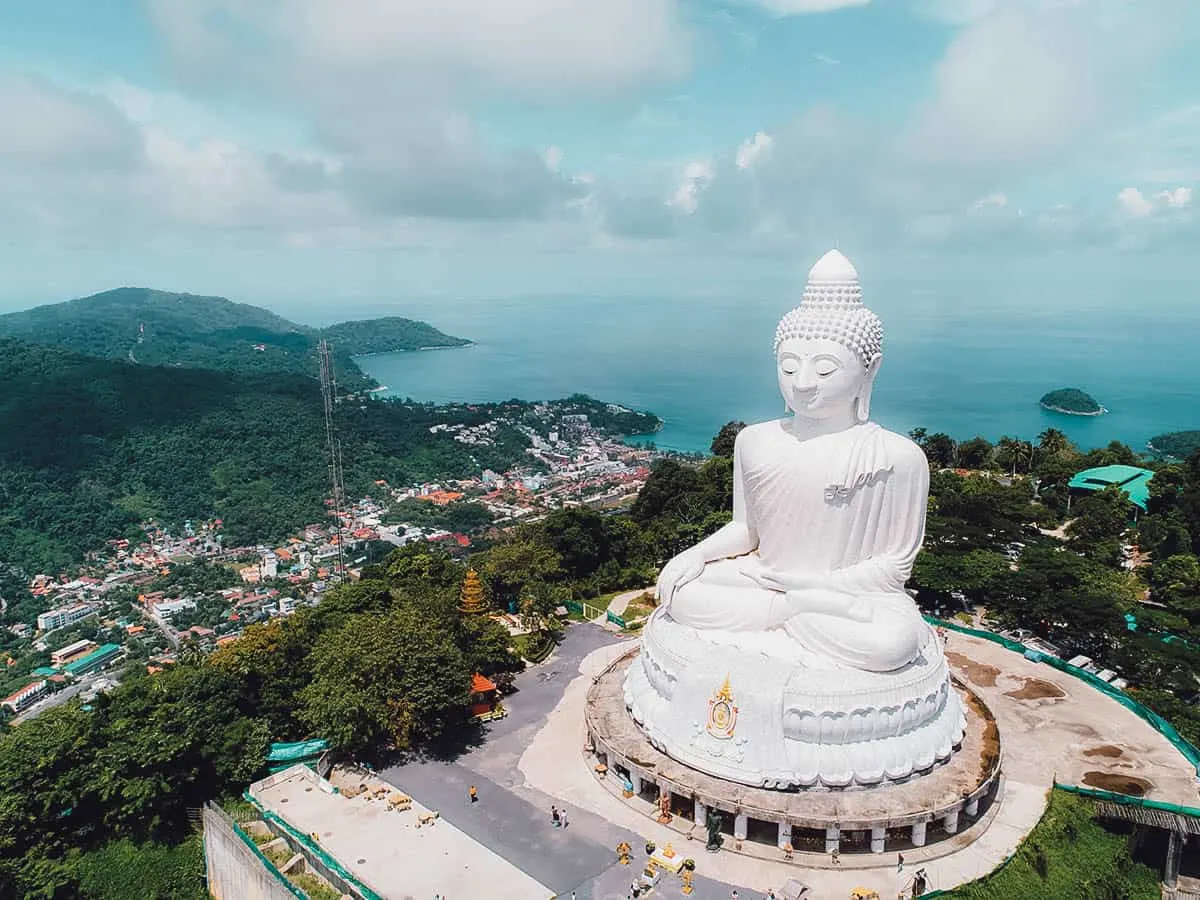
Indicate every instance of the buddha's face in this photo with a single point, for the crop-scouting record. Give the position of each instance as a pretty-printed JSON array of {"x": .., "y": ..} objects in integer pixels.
[{"x": 819, "y": 378}]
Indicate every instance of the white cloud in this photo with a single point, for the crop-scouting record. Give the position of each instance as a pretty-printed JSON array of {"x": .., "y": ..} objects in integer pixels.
[
  {"x": 1133, "y": 203},
  {"x": 994, "y": 200},
  {"x": 47, "y": 125},
  {"x": 553, "y": 157},
  {"x": 1176, "y": 198},
  {"x": 826, "y": 60},
  {"x": 543, "y": 46},
  {"x": 751, "y": 150},
  {"x": 806, "y": 7},
  {"x": 1014, "y": 86},
  {"x": 697, "y": 176}
]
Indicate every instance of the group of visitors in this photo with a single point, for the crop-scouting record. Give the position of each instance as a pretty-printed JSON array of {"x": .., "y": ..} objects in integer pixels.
[{"x": 558, "y": 817}]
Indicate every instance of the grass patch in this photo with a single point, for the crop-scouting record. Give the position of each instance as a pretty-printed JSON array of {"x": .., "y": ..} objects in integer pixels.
[
  {"x": 240, "y": 809},
  {"x": 316, "y": 888},
  {"x": 638, "y": 608},
  {"x": 534, "y": 648},
  {"x": 1068, "y": 854}
]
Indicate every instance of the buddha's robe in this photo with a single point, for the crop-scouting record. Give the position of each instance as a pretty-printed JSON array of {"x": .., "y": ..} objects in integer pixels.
[{"x": 845, "y": 515}]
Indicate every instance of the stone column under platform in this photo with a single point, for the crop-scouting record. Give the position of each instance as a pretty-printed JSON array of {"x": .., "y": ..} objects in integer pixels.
[
  {"x": 637, "y": 783},
  {"x": 833, "y": 838},
  {"x": 918, "y": 834},
  {"x": 785, "y": 835},
  {"x": 1174, "y": 855},
  {"x": 951, "y": 822},
  {"x": 878, "y": 836},
  {"x": 972, "y": 807},
  {"x": 739, "y": 826},
  {"x": 699, "y": 812}
]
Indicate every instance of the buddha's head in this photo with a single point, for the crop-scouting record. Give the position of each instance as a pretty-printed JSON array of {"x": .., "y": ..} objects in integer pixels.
[{"x": 829, "y": 348}]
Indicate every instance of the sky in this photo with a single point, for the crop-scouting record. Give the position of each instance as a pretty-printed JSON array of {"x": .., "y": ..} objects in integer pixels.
[{"x": 309, "y": 152}]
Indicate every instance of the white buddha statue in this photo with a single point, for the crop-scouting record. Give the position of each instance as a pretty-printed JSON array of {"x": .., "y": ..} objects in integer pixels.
[
  {"x": 828, "y": 508},
  {"x": 793, "y": 618}
]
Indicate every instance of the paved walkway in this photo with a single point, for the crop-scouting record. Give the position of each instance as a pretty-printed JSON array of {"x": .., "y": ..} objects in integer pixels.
[
  {"x": 382, "y": 846},
  {"x": 621, "y": 601},
  {"x": 1051, "y": 724}
]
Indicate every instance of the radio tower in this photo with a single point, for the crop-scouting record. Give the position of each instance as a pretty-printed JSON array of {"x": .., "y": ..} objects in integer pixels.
[{"x": 329, "y": 397}]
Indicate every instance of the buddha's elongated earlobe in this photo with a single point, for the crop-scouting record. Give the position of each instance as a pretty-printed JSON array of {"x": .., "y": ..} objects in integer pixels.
[{"x": 862, "y": 405}]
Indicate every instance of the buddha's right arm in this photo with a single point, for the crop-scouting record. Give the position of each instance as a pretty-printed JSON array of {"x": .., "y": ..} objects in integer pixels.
[
  {"x": 739, "y": 537},
  {"x": 733, "y": 539}
]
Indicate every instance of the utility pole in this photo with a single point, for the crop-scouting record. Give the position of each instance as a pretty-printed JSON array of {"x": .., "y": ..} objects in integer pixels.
[{"x": 337, "y": 483}]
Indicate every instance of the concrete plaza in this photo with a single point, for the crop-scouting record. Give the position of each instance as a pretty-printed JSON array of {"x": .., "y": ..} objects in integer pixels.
[{"x": 1051, "y": 726}]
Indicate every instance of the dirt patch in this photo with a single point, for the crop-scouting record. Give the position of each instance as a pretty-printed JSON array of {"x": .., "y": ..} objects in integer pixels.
[
  {"x": 1108, "y": 751},
  {"x": 979, "y": 673},
  {"x": 989, "y": 753},
  {"x": 1130, "y": 785},
  {"x": 1036, "y": 689}
]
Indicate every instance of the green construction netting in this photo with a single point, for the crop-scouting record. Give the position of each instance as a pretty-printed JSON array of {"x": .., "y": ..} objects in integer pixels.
[
  {"x": 312, "y": 847},
  {"x": 1126, "y": 800},
  {"x": 296, "y": 752},
  {"x": 1161, "y": 725},
  {"x": 262, "y": 857}
]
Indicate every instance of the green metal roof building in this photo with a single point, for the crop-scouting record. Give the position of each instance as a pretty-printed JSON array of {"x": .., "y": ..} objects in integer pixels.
[
  {"x": 101, "y": 656},
  {"x": 1134, "y": 481}
]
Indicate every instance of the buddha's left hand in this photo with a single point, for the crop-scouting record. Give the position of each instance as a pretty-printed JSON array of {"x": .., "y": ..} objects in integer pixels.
[
  {"x": 774, "y": 580},
  {"x": 830, "y": 603}
]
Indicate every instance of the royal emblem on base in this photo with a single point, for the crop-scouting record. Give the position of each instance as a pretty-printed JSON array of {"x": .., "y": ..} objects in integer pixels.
[{"x": 722, "y": 714}]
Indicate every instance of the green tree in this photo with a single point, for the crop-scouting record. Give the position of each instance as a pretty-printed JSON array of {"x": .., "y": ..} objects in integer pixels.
[
  {"x": 941, "y": 450},
  {"x": 1053, "y": 442},
  {"x": 1014, "y": 455},
  {"x": 1100, "y": 518},
  {"x": 519, "y": 561},
  {"x": 977, "y": 453},
  {"x": 722, "y": 444},
  {"x": 385, "y": 681},
  {"x": 941, "y": 572}
]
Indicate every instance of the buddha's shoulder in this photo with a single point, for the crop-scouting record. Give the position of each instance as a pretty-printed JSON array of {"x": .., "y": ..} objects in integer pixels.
[
  {"x": 901, "y": 448},
  {"x": 760, "y": 432}
]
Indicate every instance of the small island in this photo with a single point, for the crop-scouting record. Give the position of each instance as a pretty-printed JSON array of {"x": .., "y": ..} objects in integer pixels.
[
  {"x": 1174, "y": 444},
  {"x": 390, "y": 334},
  {"x": 1071, "y": 402}
]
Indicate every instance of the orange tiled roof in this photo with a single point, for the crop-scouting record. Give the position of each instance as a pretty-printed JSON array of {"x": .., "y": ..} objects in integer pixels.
[{"x": 481, "y": 684}]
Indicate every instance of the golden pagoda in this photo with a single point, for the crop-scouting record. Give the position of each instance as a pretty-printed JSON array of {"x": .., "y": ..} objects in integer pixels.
[{"x": 472, "y": 602}]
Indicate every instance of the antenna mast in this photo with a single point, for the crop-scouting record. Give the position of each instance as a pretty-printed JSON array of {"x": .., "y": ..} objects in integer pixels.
[{"x": 338, "y": 486}]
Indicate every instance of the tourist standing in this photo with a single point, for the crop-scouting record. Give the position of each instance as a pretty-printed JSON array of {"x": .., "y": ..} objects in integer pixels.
[
  {"x": 474, "y": 794},
  {"x": 837, "y": 856},
  {"x": 562, "y": 817},
  {"x": 555, "y": 816}
]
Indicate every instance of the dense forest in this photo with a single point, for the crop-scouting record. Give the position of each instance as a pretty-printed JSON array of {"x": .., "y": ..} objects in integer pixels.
[
  {"x": 158, "y": 328},
  {"x": 91, "y": 447}
]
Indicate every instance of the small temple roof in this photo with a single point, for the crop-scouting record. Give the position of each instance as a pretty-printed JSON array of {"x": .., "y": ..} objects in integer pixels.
[
  {"x": 833, "y": 266},
  {"x": 481, "y": 684}
]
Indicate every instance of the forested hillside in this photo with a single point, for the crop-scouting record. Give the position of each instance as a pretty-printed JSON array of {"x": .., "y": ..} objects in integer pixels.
[
  {"x": 90, "y": 447},
  {"x": 158, "y": 328}
]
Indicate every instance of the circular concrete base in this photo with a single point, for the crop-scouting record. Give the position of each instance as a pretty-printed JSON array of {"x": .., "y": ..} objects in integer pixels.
[{"x": 924, "y": 808}]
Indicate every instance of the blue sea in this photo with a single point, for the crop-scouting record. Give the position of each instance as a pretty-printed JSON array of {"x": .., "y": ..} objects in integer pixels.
[{"x": 964, "y": 361}]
